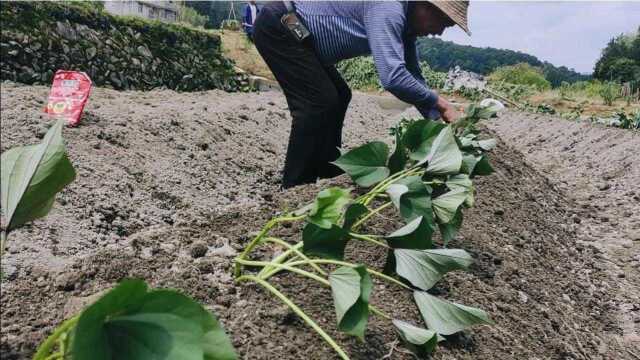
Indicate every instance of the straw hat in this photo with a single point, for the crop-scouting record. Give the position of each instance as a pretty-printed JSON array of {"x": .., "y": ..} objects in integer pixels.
[{"x": 456, "y": 11}]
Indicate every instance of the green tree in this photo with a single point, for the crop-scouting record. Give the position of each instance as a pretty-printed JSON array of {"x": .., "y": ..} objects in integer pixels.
[
  {"x": 620, "y": 59},
  {"x": 191, "y": 16},
  {"x": 443, "y": 55}
]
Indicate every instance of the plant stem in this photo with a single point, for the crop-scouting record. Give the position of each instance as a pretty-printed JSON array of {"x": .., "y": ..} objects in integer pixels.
[
  {"x": 278, "y": 260},
  {"x": 261, "y": 234},
  {"x": 368, "y": 197},
  {"x": 298, "y": 312},
  {"x": 297, "y": 252},
  {"x": 286, "y": 267},
  {"x": 369, "y": 239},
  {"x": 45, "y": 348},
  {"x": 370, "y": 214},
  {"x": 344, "y": 263},
  {"x": 379, "y": 312},
  {"x": 58, "y": 355},
  {"x": 3, "y": 240},
  {"x": 308, "y": 274}
]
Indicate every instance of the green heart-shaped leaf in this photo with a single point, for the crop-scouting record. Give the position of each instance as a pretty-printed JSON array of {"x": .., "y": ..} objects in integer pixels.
[
  {"x": 418, "y": 340},
  {"x": 462, "y": 181},
  {"x": 484, "y": 112},
  {"x": 446, "y": 205},
  {"x": 351, "y": 288},
  {"x": 328, "y": 207},
  {"x": 398, "y": 159},
  {"x": 423, "y": 268},
  {"x": 412, "y": 197},
  {"x": 449, "y": 230},
  {"x": 476, "y": 165},
  {"x": 216, "y": 344},
  {"x": 325, "y": 243},
  {"x": 445, "y": 317},
  {"x": 366, "y": 164},
  {"x": 444, "y": 156},
  {"x": 482, "y": 168},
  {"x": 414, "y": 235},
  {"x": 486, "y": 145},
  {"x": 32, "y": 176},
  {"x": 154, "y": 336},
  {"x": 330, "y": 243},
  {"x": 353, "y": 213},
  {"x": 420, "y": 138},
  {"x": 130, "y": 322},
  {"x": 420, "y": 131},
  {"x": 466, "y": 142}
]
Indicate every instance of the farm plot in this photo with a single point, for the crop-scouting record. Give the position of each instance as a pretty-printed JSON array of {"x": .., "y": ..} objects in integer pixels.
[{"x": 171, "y": 187}]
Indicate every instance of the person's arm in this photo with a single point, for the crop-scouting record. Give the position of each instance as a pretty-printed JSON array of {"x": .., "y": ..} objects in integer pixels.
[
  {"x": 412, "y": 61},
  {"x": 385, "y": 24}
]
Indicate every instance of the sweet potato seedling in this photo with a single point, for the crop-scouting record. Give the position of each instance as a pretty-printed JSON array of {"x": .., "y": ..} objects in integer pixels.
[
  {"x": 31, "y": 177},
  {"x": 428, "y": 179}
]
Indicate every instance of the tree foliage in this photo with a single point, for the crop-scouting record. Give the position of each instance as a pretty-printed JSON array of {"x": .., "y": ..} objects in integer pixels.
[
  {"x": 443, "y": 55},
  {"x": 620, "y": 60},
  {"x": 216, "y": 11},
  {"x": 191, "y": 16},
  {"x": 521, "y": 74}
]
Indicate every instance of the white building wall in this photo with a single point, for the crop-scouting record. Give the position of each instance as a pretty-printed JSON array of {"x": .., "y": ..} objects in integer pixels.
[{"x": 145, "y": 9}]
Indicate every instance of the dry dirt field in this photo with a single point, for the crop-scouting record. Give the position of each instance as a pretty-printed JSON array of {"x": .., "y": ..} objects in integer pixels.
[{"x": 163, "y": 176}]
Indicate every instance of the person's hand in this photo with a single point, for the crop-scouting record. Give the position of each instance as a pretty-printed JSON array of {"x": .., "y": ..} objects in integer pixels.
[{"x": 447, "y": 111}]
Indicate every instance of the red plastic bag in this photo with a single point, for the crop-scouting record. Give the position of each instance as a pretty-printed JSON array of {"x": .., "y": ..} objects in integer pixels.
[{"x": 69, "y": 93}]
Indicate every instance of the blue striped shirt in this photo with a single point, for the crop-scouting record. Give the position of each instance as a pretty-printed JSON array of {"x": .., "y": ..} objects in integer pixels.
[{"x": 346, "y": 29}]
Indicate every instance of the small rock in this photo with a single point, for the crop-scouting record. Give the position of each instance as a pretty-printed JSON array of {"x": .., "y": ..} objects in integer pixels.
[
  {"x": 66, "y": 281},
  {"x": 198, "y": 250},
  {"x": 523, "y": 297},
  {"x": 225, "y": 250},
  {"x": 603, "y": 186},
  {"x": 42, "y": 131},
  {"x": 499, "y": 212}
]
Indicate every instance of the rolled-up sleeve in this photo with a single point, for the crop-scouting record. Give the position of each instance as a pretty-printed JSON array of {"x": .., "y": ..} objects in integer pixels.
[{"x": 385, "y": 23}]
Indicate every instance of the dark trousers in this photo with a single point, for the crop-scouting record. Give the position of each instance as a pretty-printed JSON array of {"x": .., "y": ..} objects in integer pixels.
[{"x": 317, "y": 96}]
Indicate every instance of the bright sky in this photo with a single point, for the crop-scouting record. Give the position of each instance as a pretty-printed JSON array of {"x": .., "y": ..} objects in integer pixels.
[{"x": 569, "y": 33}]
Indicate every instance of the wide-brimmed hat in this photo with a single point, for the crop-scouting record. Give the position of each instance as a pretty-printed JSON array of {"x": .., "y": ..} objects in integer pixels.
[{"x": 456, "y": 10}]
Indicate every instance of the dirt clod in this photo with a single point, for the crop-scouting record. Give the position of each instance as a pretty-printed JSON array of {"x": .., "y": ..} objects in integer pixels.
[{"x": 198, "y": 250}]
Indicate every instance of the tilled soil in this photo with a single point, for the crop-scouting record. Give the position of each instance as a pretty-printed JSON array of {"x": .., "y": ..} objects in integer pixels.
[
  {"x": 171, "y": 186},
  {"x": 598, "y": 169}
]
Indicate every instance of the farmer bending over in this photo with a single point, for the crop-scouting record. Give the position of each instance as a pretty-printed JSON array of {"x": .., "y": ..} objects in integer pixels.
[{"x": 316, "y": 94}]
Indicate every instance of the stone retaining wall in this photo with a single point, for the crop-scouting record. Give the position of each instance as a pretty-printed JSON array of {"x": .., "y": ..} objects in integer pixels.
[{"x": 39, "y": 38}]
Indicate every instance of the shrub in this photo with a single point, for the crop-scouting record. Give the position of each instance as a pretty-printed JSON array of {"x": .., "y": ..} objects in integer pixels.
[
  {"x": 564, "y": 89},
  {"x": 609, "y": 92},
  {"x": 361, "y": 74},
  {"x": 521, "y": 74},
  {"x": 435, "y": 79},
  {"x": 514, "y": 91},
  {"x": 191, "y": 17}
]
